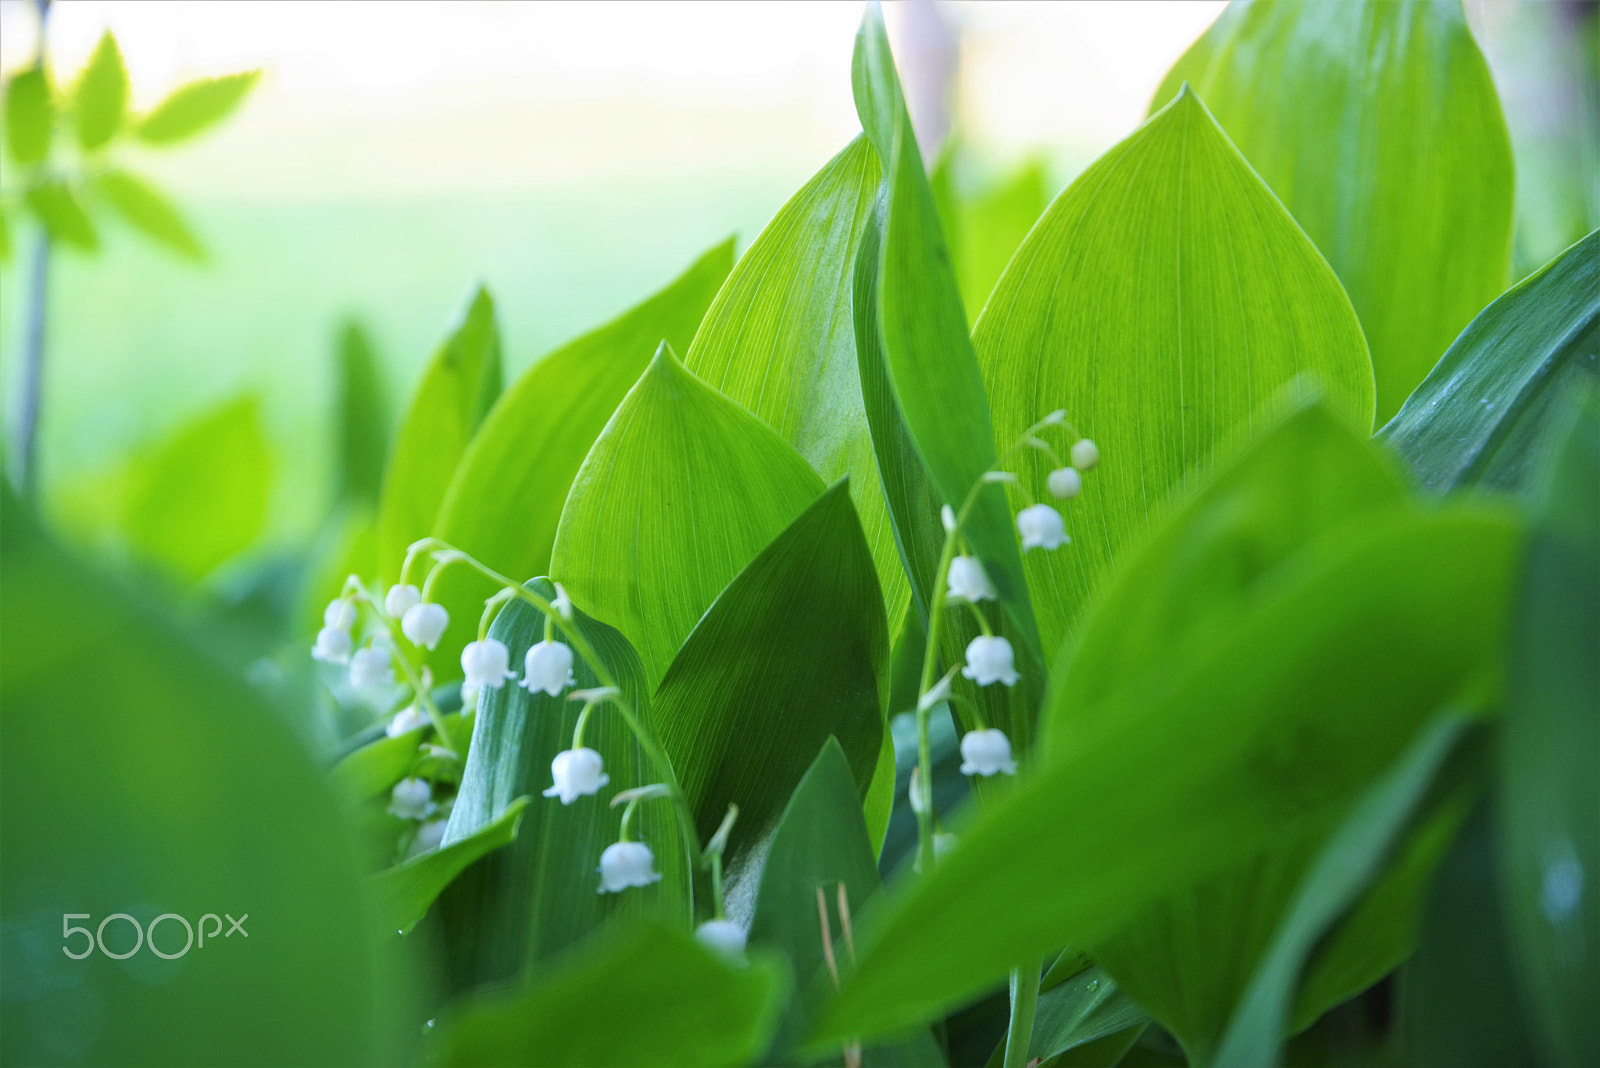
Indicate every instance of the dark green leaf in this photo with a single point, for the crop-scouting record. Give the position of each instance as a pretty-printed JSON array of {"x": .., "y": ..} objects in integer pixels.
[
  {"x": 192, "y": 108},
  {"x": 1378, "y": 124},
  {"x": 1480, "y": 416},
  {"x": 30, "y": 114},
  {"x": 1083, "y": 1008},
  {"x": 363, "y": 427},
  {"x": 102, "y": 96},
  {"x": 405, "y": 891},
  {"x": 55, "y": 204},
  {"x": 148, "y": 210}
]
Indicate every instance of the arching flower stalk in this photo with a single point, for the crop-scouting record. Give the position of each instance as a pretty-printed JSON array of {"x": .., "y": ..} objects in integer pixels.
[
  {"x": 721, "y": 934},
  {"x": 626, "y": 863}
]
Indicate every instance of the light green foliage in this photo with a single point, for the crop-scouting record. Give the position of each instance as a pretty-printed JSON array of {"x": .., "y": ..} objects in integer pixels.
[
  {"x": 198, "y": 498},
  {"x": 148, "y": 210},
  {"x": 506, "y": 495},
  {"x": 30, "y": 116},
  {"x": 57, "y": 206},
  {"x": 457, "y": 389},
  {"x": 362, "y": 413},
  {"x": 1377, "y": 124},
  {"x": 101, "y": 99},
  {"x": 192, "y": 108},
  {"x": 683, "y": 1007},
  {"x": 405, "y": 891},
  {"x": 1163, "y": 300},
  {"x": 1479, "y": 418},
  {"x": 681, "y": 490},
  {"x": 985, "y": 218}
]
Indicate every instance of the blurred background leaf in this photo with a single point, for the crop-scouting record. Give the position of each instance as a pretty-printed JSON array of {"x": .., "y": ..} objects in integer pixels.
[
  {"x": 57, "y": 205},
  {"x": 985, "y": 217},
  {"x": 362, "y": 405},
  {"x": 101, "y": 99},
  {"x": 148, "y": 210},
  {"x": 30, "y": 116},
  {"x": 191, "y": 108}
]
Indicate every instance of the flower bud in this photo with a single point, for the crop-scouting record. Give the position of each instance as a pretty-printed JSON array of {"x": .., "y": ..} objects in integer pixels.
[
  {"x": 989, "y": 659},
  {"x": 369, "y": 669},
  {"x": 340, "y": 614},
  {"x": 947, "y": 518},
  {"x": 333, "y": 646},
  {"x": 723, "y": 937},
  {"x": 429, "y": 836},
  {"x": 405, "y": 721},
  {"x": 1041, "y": 527},
  {"x": 986, "y": 752},
  {"x": 625, "y": 864},
  {"x": 1085, "y": 454},
  {"x": 547, "y": 667},
  {"x": 412, "y": 799},
  {"x": 486, "y": 664},
  {"x": 423, "y": 624},
  {"x": 577, "y": 773},
  {"x": 968, "y": 581},
  {"x": 400, "y": 600},
  {"x": 562, "y": 603},
  {"x": 1065, "y": 483}
]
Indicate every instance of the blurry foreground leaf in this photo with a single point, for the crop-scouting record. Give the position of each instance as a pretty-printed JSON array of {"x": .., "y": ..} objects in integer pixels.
[
  {"x": 363, "y": 417},
  {"x": 102, "y": 95},
  {"x": 56, "y": 204},
  {"x": 29, "y": 116},
  {"x": 148, "y": 210},
  {"x": 191, "y": 108},
  {"x": 405, "y": 891}
]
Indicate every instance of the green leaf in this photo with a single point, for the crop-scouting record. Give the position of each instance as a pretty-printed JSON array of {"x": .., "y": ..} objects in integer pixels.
[
  {"x": 138, "y": 777},
  {"x": 102, "y": 96},
  {"x": 1163, "y": 300},
  {"x": 523, "y": 903},
  {"x": 1378, "y": 125},
  {"x": 681, "y": 490},
  {"x": 683, "y": 1006},
  {"x": 1267, "y": 738},
  {"x": 1479, "y": 417},
  {"x": 198, "y": 498},
  {"x": 192, "y": 108},
  {"x": 363, "y": 427},
  {"x": 148, "y": 210},
  {"x": 794, "y": 650},
  {"x": 406, "y": 891},
  {"x": 985, "y": 220},
  {"x": 374, "y": 768},
  {"x": 5, "y": 238},
  {"x": 927, "y": 356},
  {"x": 30, "y": 114},
  {"x": 1345, "y": 865},
  {"x": 780, "y": 340},
  {"x": 1549, "y": 797},
  {"x": 457, "y": 390},
  {"x": 1081, "y": 1009},
  {"x": 55, "y": 204},
  {"x": 505, "y": 499}
]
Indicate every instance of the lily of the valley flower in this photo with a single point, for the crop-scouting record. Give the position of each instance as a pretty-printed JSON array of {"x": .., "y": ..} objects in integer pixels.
[
  {"x": 547, "y": 667},
  {"x": 423, "y": 624},
  {"x": 968, "y": 581},
  {"x": 577, "y": 773},
  {"x": 724, "y": 937},
  {"x": 369, "y": 669},
  {"x": 412, "y": 799},
  {"x": 947, "y": 518},
  {"x": 1085, "y": 454},
  {"x": 429, "y": 836},
  {"x": 401, "y": 599},
  {"x": 989, "y": 659},
  {"x": 1041, "y": 527},
  {"x": 340, "y": 614},
  {"x": 943, "y": 842},
  {"x": 486, "y": 664},
  {"x": 986, "y": 752},
  {"x": 405, "y": 721},
  {"x": 1065, "y": 483},
  {"x": 333, "y": 646},
  {"x": 561, "y": 602},
  {"x": 625, "y": 864}
]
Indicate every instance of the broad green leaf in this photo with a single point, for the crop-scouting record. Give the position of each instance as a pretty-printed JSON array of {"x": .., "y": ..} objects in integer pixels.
[
  {"x": 30, "y": 114},
  {"x": 1480, "y": 415},
  {"x": 101, "y": 99},
  {"x": 1079, "y": 1010},
  {"x": 457, "y": 390},
  {"x": 1549, "y": 797},
  {"x": 794, "y": 650},
  {"x": 405, "y": 891},
  {"x": 985, "y": 220},
  {"x": 1163, "y": 300},
  {"x": 681, "y": 490},
  {"x": 1267, "y": 738},
  {"x": 191, "y": 108},
  {"x": 1349, "y": 861},
  {"x": 56, "y": 204},
  {"x": 505, "y": 499},
  {"x": 363, "y": 427},
  {"x": 1377, "y": 124},
  {"x": 927, "y": 356},
  {"x": 148, "y": 210},
  {"x": 198, "y": 498},
  {"x": 780, "y": 340},
  {"x": 374, "y": 768},
  {"x": 523, "y": 903},
  {"x": 140, "y": 778},
  {"x": 648, "y": 995}
]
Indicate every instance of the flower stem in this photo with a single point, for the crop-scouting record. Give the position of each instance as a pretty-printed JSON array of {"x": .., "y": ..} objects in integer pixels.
[{"x": 1024, "y": 1001}]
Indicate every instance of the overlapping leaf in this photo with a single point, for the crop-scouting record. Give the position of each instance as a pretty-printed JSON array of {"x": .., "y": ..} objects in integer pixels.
[
  {"x": 196, "y": 106},
  {"x": 405, "y": 891},
  {"x": 147, "y": 209},
  {"x": 101, "y": 99}
]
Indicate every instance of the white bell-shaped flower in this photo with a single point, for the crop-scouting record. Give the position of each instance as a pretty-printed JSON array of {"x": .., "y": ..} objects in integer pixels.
[
  {"x": 577, "y": 773},
  {"x": 429, "y": 836},
  {"x": 947, "y": 518},
  {"x": 986, "y": 752},
  {"x": 1065, "y": 483},
  {"x": 1041, "y": 527},
  {"x": 943, "y": 842},
  {"x": 547, "y": 667},
  {"x": 989, "y": 659},
  {"x": 369, "y": 669},
  {"x": 723, "y": 937},
  {"x": 1085, "y": 454},
  {"x": 333, "y": 646},
  {"x": 423, "y": 624},
  {"x": 412, "y": 799},
  {"x": 401, "y": 599},
  {"x": 486, "y": 664},
  {"x": 625, "y": 864},
  {"x": 340, "y": 614},
  {"x": 968, "y": 580},
  {"x": 405, "y": 721}
]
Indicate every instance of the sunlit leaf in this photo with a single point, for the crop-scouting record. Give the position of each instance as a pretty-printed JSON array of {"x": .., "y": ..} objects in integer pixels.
[
  {"x": 405, "y": 891},
  {"x": 192, "y": 108},
  {"x": 56, "y": 204},
  {"x": 102, "y": 95},
  {"x": 30, "y": 114},
  {"x": 148, "y": 210}
]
